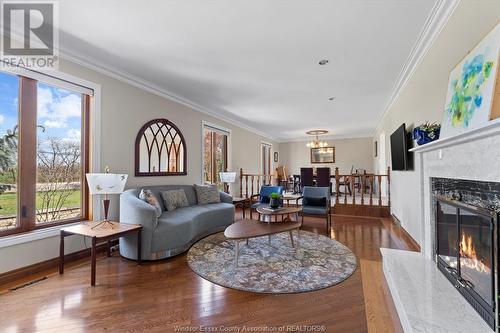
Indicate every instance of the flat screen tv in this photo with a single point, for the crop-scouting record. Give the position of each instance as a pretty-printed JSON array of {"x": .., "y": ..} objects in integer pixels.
[{"x": 399, "y": 149}]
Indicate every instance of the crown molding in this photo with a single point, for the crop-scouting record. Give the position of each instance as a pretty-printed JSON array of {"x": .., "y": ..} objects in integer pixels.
[
  {"x": 150, "y": 87},
  {"x": 437, "y": 20}
]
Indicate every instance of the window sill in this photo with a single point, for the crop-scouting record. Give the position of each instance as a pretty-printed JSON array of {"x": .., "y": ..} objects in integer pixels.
[{"x": 34, "y": 235}]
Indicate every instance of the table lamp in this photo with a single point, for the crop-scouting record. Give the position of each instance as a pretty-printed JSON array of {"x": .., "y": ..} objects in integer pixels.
[
  {"x": 106, "y": 183},
  {"x": 226, "y": 178}
]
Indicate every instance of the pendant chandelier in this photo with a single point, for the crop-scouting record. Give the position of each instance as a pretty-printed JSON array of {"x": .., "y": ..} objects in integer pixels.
[{"x": 317, "y": 143}]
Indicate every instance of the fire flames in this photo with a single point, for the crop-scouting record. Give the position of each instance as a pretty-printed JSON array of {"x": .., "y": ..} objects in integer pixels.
[{"x": 469, "y": 257}]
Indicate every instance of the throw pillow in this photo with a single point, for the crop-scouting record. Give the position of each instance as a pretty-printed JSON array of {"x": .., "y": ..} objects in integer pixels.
[
  {"x": 315, "y": 202},
  {"x": 174, "y": 199},
  {"x": 150, "y": 198},
  {"x": 207, "y": 194}
]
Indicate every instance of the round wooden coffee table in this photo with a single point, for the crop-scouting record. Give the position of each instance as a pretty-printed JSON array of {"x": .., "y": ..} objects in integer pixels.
[{"x": 268, "y": 213}]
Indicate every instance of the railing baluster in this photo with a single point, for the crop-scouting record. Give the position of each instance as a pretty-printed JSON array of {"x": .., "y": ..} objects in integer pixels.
[
  {"x": 379, "y": 177},
  {"x": 241, "y": 182},
  {"x": 353, "y": 181},
  {"x": 337, "y": 186},
  {"x": 389, "y": 186},
  {"x": 246, "y": 186},
  {"x": 346, "y": 189},
  {"x": 372, "y": 180},
  {"x": 252, "y": 178},
  {"x": 363, "y": 180}
]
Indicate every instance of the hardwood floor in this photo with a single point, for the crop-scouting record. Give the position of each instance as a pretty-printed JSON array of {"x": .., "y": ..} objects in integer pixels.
[{"x": 163, "y": 295}]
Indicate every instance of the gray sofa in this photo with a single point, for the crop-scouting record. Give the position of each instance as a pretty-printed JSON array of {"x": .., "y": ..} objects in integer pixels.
[{"x": 174, "y": 231}]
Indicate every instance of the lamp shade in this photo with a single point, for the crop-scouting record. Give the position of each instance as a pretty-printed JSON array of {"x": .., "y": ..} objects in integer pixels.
[
  {"x": 106, "y": 183},
  {"x": 227, "y": 177}
]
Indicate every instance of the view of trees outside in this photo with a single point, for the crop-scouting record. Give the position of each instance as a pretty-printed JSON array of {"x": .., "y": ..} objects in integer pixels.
[
  {"x": 9, "y": 118},
  {"x": 214, "y": 156},
  {"x": 58, "y": 178}
]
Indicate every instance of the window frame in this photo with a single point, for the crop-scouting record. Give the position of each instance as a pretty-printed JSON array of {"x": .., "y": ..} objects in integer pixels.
[
  {"x": 263, "y": 147},
  {"x": 227, "y": 144},
  {"x": 27, "y": 161}
]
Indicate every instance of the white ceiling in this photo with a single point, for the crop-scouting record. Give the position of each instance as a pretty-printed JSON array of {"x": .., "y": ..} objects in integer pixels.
[{"x": 256, "y": 62}]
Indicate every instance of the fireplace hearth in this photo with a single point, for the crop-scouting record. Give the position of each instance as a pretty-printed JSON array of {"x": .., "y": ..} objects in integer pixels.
[{"x": 466, "y": 243}]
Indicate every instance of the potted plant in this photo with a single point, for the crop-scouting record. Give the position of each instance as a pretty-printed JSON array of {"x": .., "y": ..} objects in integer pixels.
[
  {"x": 426, "y": 133},
  {"x": 274, "y": 200}
]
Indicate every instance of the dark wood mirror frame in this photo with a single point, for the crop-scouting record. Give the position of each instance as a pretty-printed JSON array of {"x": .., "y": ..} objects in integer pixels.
[
  {"x": 330, "y": 155},
  {"x": 161, "y": 130}
]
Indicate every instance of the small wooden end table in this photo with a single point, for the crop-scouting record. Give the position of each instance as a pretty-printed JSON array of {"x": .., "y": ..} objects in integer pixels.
[
  {"x": 99, "y": 234},
  {"x": 241, "y": 201}
]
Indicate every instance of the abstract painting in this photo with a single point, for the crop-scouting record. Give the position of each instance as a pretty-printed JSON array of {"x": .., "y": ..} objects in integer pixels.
[{"x": 471, "y": 87}]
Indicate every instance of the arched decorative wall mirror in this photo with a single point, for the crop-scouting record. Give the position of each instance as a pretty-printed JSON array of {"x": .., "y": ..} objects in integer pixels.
[{"x": 160, "y": 150}]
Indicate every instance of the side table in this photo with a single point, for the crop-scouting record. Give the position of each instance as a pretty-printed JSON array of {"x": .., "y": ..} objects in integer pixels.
[
  {"x": 242, "y": 202},
  {"x": 99, "y": 234}
]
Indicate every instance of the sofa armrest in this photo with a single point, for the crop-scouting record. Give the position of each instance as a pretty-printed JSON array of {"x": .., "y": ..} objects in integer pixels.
[
  {"x": 136, "y": 211},
  {"x": 224, "y": 197}
]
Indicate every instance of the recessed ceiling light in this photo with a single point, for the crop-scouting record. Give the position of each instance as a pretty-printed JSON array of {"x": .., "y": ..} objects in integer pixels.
[
  {"x": 323, "y": 62},
  {"x": 331, "y": 99}
]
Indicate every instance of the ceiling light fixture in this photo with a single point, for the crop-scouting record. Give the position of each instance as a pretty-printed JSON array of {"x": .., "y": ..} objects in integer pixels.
[
  {"x": 323, "y": 62},
  {"x": 331, "y": 99},
  {"x": 317, "y": 143}
]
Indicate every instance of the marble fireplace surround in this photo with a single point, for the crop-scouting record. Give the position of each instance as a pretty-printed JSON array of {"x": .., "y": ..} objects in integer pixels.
[
  {"x": 474, "y": 155},
  {"x": 425, "y": 300}
]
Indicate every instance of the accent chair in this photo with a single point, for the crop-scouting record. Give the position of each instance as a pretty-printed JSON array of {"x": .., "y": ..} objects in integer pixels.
[
  {"x": 265, "y": 192},
  {"x": 316, "y": 202}
]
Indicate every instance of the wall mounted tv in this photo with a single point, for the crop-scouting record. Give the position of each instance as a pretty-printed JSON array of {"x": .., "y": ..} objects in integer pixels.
[{"x": 400, "y": 143}]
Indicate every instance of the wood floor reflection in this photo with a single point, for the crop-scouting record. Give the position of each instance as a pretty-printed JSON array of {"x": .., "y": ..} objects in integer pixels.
[{"x": 159, "y": 296}]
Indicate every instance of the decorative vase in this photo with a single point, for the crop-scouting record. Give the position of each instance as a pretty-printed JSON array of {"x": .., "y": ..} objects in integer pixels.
[
  {"x": 424, "y": 137},
  {"x": 274, "y": 203}
]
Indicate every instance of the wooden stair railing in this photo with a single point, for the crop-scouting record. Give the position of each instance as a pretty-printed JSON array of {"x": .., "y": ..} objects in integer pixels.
[
  {"x": 366, "y": 182},
  {"x": 254, "y": 181}
]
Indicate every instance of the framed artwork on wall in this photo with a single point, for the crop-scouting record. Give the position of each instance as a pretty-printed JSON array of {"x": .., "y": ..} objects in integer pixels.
[
  {"x": 323, "y": 155},
  {"x": 471, "y": 88},
  {"x": 276, "y": 156}
]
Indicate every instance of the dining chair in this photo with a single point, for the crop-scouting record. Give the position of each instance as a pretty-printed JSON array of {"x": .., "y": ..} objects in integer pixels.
[
  {"x": 323, "y": 178},
  {"x": 316, "y": 202},
  {"x": 346, "y": 181},
  {"x": 306, "y": 177}
]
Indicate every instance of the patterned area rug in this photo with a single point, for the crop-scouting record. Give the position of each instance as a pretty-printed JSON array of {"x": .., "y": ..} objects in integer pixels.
[{"x": 316, "y": 262}]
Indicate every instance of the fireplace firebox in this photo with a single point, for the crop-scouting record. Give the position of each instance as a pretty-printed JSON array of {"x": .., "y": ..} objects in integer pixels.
[{"x": 466, "y": 251}]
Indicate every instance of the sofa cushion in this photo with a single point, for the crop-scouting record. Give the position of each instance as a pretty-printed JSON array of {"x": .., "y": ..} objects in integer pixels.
[
  {"x": 207, "y": 194},
  {"x": 174, "y": 199},
  {"x": 150, "y": 198}
]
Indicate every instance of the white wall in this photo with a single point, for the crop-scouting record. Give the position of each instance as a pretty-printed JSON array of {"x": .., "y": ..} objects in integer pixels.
[
  {"x": 424, "y": 96},
  {"x": 357, "y": 152},
  {"x": 124, "y": 109}
]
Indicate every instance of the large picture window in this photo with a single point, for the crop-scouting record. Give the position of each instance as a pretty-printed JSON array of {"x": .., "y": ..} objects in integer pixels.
[
  {"x": 44, "y": 153},
  {"x": 215, "y": 151}
]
